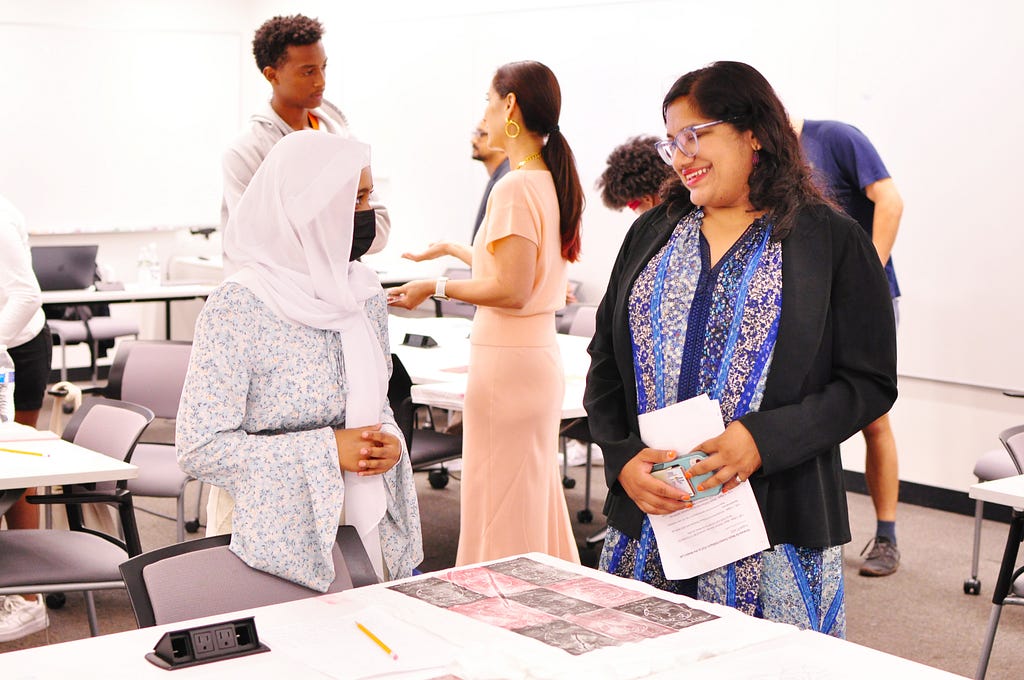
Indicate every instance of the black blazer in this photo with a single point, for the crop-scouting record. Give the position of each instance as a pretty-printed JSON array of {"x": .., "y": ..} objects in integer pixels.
[{"x": 832, "y": 373}]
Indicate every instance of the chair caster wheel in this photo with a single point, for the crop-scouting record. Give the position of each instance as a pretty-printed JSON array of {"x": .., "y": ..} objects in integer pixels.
[
  {"x": 972, "y": 586},
  {"x": 438, "y": 479},
  {"x": 192, "y": 526},
  {"x": 56, "y": 600},
  {"x": 568, "y": 482},
  {"x": 585, "y": 516}
]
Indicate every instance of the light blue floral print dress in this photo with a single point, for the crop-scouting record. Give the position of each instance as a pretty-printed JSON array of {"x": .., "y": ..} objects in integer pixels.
[{"x": 257, "y": 419}]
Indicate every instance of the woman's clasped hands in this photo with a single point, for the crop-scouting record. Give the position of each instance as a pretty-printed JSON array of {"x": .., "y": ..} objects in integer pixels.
[
  {"x": 367, "y": 450},
  {"x": 732, "y": 456}
]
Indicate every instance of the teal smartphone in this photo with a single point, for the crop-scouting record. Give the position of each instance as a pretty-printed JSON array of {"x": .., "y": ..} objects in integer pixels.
[{"x": 673, "y": 471}]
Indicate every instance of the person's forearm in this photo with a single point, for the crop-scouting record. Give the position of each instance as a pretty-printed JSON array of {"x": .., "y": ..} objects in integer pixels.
[
  {"x": 461, "y": 251},
  {"x": 488, "y": 292},
  {"x": 883, "y": 230},
  {"x": 886, "y": 221}
]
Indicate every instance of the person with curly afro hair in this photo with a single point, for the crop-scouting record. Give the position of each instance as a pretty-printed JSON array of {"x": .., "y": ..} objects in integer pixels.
[
  {"x": 290, "y": 55},
  {"x": 634, "y": 176}
]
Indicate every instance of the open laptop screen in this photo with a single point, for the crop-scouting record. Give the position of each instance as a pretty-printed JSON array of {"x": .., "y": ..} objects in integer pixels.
[{"x": 64, "y": 267}]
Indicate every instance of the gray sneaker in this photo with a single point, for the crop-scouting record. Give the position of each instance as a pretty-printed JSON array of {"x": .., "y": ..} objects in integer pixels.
[{"x": 883, "y": 559}]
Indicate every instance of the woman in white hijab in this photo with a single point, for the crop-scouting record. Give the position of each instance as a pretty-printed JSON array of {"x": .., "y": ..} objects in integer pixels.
[{"x": 285, "y": 406}]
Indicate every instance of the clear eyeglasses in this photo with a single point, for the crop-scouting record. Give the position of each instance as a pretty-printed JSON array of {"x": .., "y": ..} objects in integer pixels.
[{"x": 685, "y": 141}]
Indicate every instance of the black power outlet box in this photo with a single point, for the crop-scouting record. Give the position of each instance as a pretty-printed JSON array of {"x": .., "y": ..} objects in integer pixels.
[{"x": 202, "y": 644}]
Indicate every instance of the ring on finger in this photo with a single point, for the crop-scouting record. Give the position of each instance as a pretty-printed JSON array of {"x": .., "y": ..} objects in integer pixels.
[{"x": 739, "y": 478}]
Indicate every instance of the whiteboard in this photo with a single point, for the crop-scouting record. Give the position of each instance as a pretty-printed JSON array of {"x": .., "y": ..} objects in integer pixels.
[
  {"x": 116, "y": 130},
  {"x": 935, "y": 87}
]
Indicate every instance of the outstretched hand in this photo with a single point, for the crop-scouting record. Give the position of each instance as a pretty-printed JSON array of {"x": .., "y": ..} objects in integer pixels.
[
  {"x": 412, "y": 294},
  {"x": 434, "y": 250}
]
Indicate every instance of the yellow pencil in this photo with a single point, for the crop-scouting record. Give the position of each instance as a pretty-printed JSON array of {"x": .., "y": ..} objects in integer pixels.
[
  {"x": 26, "y": 453},
  {"x": 380, "y": 643}
]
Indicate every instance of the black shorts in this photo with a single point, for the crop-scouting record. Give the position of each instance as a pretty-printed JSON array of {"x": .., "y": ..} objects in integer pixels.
[{"x": 31, "y": 370}]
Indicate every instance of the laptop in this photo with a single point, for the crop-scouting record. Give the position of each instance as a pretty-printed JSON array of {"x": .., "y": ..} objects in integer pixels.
[{"x": 64, "y": 267}]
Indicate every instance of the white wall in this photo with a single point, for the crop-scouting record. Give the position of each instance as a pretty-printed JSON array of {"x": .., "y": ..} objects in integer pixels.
[{"x": 925, "y": 83}]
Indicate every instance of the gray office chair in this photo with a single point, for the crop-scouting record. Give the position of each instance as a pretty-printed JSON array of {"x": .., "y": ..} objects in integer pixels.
[
  {"x": 428, "y": 449},
  {"x": 88, "y": 329},
  {"x": 204, "y": 578},
  {"x": 82, "y": 559},
  {"x": 994, "y": 464},
  {"x": 584, "y": 323},
  {"x": 1010, "y": 585},
  {"x": 152, "y": 373}
]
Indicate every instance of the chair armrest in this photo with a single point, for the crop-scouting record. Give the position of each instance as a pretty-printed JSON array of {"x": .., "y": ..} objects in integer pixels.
[{"x": 360, "y": 569}]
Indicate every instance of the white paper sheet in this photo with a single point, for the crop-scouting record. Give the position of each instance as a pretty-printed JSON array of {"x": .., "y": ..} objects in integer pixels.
[
  {"x": 717, "y": 530},
  {"x": 16, "y": 432}
]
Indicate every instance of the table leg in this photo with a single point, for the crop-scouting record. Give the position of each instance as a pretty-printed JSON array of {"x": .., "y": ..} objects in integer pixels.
[
  {"x": 167, "y": 319},
  {"x": 9, "y": 497},
  {"x": 1002, "y": 589}
]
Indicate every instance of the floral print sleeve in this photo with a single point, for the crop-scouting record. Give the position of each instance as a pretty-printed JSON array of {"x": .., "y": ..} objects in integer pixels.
[{"x": 257, "y": 418}]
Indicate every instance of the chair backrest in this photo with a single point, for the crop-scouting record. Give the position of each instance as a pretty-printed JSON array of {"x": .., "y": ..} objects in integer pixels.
[
  {"x": 150, "y": 373},
  {"x": 204, "y": 578},
  {"x": 1013, "y": 439},
  {"x": 400, "y": 398},
  {"x": 108, "y": 426},
  {"x": 585, "y": 322}
]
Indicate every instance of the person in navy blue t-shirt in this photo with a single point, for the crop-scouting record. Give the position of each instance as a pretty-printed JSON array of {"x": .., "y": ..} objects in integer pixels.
[{"x": 848, "y": 168}]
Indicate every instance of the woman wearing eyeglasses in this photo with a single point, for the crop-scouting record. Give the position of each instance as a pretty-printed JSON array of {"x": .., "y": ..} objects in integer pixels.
[
  {"x": 512, "y": 498},
  {"x": 764, "y": 297}
]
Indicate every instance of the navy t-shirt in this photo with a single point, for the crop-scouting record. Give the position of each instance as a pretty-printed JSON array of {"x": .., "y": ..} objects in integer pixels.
[{"x": 844, "y": 163}]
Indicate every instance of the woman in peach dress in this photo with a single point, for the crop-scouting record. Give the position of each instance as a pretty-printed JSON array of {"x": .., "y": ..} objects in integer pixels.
[{"x": 512, "y": 499}]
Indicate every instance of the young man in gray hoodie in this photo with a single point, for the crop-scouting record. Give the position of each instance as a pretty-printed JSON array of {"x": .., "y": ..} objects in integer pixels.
[{"x": 291, "y": 57}]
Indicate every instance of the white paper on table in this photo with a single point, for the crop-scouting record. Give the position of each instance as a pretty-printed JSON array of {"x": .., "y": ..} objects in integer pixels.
[
  {"x": 16, "y": 432},
  {"x": 717, "y": 530}
]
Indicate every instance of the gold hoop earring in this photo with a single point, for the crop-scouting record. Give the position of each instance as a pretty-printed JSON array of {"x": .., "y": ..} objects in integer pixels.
[{"x": 509, "y": 121}]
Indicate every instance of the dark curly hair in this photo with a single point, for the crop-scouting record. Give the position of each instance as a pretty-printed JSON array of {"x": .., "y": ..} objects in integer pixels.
[
  {"x": 634, "y": 170},
  {"x": 270, "y": 44},
  {"x": 781, "y": 182}
]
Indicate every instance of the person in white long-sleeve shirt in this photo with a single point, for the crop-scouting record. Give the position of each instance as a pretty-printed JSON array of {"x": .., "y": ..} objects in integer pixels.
[
  {"x": 291, "y": 57},
  {"x": 24, "y": 332}
]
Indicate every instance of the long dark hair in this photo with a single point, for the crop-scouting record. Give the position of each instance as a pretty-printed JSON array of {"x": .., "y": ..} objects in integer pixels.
[
  {"x": 780, "y": 182},
  {"x": 540, "y": 101}
]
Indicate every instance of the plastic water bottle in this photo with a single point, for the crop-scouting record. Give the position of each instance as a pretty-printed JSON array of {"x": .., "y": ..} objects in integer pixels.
[
  {"x": 6, "y": 386},
  {"x": 149, "y": 267}
]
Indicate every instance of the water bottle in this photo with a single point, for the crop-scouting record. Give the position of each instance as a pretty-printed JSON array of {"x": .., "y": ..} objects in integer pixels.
[
  {"x": 6, "y": 386},
  {"x": 149, "y": 267}
]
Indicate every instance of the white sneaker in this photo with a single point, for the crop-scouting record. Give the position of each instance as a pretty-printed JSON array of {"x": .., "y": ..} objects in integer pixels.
[
  {"x": 19, "y": 617},
  {"x": 577, "y": 452}
]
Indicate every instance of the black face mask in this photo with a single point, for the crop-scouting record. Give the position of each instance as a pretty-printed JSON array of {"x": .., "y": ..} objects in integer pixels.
[{"x": 364, "y": 229}]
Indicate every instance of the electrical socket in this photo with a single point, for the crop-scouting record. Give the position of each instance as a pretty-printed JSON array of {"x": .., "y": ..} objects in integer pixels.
[
  {"x": 224, "y": 637},
  {"x": 202, "y": 641}
]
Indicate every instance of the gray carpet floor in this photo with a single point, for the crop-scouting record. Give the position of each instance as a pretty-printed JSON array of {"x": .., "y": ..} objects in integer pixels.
[{"x": 919, "y": 613}]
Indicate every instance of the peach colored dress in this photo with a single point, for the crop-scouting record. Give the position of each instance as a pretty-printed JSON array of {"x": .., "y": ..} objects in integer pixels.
[{"x": 512, "y": 498}]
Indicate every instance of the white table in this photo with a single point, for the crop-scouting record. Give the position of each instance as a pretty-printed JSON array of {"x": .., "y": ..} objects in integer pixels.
[
  {"x": 439, "y": 373},
  {"x": 317, "y": 638},
  {"x": 1007, "y": 491},
  {"x": 132, "y": 293},
  {"x": 61, "y": 462}
]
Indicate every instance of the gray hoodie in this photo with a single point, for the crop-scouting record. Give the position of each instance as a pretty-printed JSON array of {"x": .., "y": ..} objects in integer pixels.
[{"x": 246, "y": 153}]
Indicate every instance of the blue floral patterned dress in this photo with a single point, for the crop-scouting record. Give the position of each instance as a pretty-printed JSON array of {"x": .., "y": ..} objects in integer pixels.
[
  {"x": 257, "y": 418},
  {"x": 698, "y": 329}
]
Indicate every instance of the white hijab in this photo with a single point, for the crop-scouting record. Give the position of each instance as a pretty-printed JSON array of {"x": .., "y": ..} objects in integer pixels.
[{"x": 290, "y": 239}]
